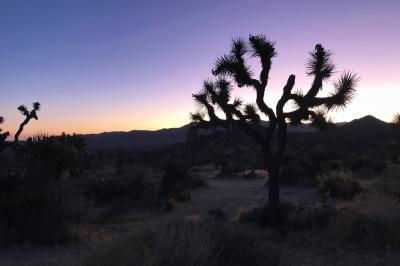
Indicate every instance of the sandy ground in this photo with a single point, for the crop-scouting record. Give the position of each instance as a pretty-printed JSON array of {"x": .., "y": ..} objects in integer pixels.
[{"x": 232, "y": 194}]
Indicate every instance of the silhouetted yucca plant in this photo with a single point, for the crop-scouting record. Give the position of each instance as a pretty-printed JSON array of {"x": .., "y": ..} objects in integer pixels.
[
  {"x": 396, "y": 119},
  {"x": 233, "y": 69},
  {"x": 3, "y": 136},
  {"x": 32, "y": 114}
]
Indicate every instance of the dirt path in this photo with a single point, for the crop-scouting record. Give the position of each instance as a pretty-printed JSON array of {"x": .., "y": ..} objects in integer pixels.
[{"x": 230, "y": 194}]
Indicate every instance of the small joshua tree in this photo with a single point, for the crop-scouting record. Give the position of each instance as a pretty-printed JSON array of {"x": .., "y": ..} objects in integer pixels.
[
  {"x": 28, "y": 116},
  {"x": 3, "y": 135},
  {"x": 396, "y": 119},
  {"x": 307, "y": 107}
]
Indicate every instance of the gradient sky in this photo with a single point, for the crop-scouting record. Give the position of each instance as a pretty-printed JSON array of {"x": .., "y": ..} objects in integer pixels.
[{"x": 121, "y": 65}]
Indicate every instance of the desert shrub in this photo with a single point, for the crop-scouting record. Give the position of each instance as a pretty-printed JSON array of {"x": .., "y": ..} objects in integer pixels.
[
  {"x": 252, "y": 215},
  {"x": 36, "y": 205},
  {"x": 217, "y": 213},
  {"x": 106, "y": 190},
  {"x": 239, "y": 246},
  {"x": 135, "y": 249},
  {"x": 316, "y": 215},
  {"x": 177, "y": 182},
  {"x": 389, "y": 181},
  {"x": 173, "y": 173},
  {"x": 372, "y": 218},
  {"x": 37, "y": 210},
  {"x": 376, "y": 164},
  {"x": 185, "y": 243},
  {"x": 55, "y": 153},
  {"x": 130, "y": 184},
  {"x": 257, "y": 215},
  {"x": 179, "y": 241},
  {"x": 339, "y": 183},
  {"x": 303, "y": 171}
]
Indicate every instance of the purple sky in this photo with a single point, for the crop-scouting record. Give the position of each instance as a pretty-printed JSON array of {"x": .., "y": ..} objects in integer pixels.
[{"x": 122, "y": 65}]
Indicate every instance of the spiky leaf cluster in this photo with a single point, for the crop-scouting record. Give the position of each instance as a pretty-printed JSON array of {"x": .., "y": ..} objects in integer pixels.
[
  {"x": 320, "y": 63},
  {"x": 32, "y": 114}
]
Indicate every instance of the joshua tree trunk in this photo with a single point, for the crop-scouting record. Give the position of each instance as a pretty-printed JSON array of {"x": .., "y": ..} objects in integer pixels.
[
  {"x": 273, "y": 215},
  {"x": 20, "y": 129}
]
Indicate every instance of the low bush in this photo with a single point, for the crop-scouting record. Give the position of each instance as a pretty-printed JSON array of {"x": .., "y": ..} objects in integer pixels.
[
  {"x": 55, "y": 153},
  {"x": 375, "y": 163},
  {"x": 177, "y": 181},
  {"x": 299, "y": 172},
  {"x": 339, "y": 183},
  {"x": 182, "y": 242},
  {"x": 37, "y": 210},
  {"x": 370, "y": 219},
  {"x": 316, "y": 215},
  {"x": 258, "y": 215},
  {"x": 118, "y": 193},
  {"x": 174, "y": 172},
  {"x": 217, "y": 213},
  {"x": 389, "y": 181},
  {"x": 313, "y": 216}
]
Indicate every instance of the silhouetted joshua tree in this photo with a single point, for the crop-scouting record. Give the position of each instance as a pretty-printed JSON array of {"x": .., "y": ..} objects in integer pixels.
[
  {"x": 28, "y": 116},
  {"x": 396, "y": 119},
  {"x": 216, "y": 95},
  {"x": 3, "y": 136}
]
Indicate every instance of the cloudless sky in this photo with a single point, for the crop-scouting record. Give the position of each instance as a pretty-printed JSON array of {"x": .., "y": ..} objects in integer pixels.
[{"x": 99, "y": 65}]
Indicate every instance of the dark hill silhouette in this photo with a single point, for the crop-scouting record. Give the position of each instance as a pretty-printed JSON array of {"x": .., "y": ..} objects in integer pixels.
[
  {"x": 366, "y": 123},
  {"x": 147, "y": 139},
  {"x": 364, "y": 127},
  {"x": 137, "y": 139}
]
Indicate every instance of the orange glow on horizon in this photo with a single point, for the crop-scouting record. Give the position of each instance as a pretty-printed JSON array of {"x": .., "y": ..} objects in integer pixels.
[{"x": 369, "y": 101}]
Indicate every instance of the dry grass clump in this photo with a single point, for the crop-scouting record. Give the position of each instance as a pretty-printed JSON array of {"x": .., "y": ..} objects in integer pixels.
[
  {"x": 316, "y": 215},
  {"x": 338, "y": 183},
  {"x": 372, "y": 217},
  {"x": 257, "y": 214},
  {"x": 389, "y": 181},
  {"x": 179, "y": 241}
]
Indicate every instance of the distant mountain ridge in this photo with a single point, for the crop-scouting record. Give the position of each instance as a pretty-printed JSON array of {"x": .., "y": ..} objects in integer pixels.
[{"x": 147, "y": 139}]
